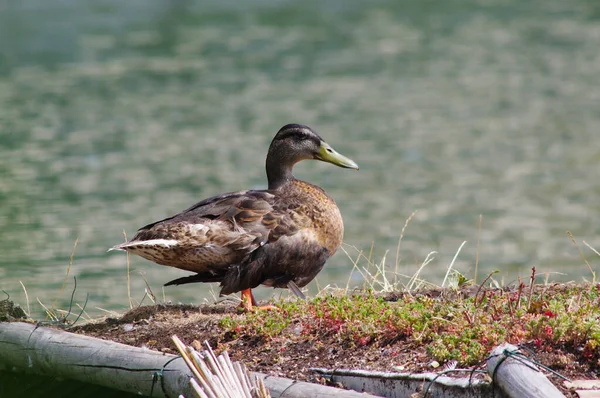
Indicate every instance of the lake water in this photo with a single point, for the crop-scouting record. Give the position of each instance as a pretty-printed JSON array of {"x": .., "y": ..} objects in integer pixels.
[{"x": 115, "y": 114}]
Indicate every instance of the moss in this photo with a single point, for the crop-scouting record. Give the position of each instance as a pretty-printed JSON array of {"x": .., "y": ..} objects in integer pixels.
[{"x": 9, "y": 311}]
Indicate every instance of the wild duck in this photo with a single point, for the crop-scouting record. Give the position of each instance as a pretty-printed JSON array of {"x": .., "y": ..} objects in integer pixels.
[{"x": 279, "y": 237}]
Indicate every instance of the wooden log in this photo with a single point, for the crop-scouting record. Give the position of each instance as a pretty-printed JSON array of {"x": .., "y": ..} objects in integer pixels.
[
  {"x": 280, "y": 387},
  {"x": 25, "y": 348},
  {"x": 518, "y": 378},
  {"x": 401, "y": 385},
  {"x": 51, "y": 352}
]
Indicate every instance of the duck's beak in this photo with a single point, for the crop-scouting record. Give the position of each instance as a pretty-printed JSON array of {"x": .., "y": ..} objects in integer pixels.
[{"x": 328, "y": 154}]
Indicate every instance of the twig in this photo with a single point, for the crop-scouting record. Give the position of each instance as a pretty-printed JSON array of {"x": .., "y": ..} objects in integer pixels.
[
  {"x": 532, "y": 285},
  {"x": 483, "y": 283},
  {"x": 520, "y": 292}
]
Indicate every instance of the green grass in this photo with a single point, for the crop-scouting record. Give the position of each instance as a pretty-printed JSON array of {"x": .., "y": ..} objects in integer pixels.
[{"x": 451, "y": 327}]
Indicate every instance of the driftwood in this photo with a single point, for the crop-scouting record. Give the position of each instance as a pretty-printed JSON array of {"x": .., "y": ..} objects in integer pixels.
[
  {"x": 584, "y": 388},
  {"x": 56, "y": 353},
  {"x": 400, "y": 385},
  {"x": 26, "y": 348},
  {"x": 280, "y": 387},
  {"x": 518, "y": 377}
]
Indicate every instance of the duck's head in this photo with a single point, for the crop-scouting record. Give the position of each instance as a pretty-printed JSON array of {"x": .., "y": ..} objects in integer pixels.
[{"x": 296, "y": 142}]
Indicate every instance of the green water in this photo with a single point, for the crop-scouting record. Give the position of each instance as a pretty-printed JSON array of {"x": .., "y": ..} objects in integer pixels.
[{"x": 115, "y": 114}]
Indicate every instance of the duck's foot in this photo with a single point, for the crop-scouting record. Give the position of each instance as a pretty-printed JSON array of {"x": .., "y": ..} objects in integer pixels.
[
  {"x": 248, "y": 303},
  {"x": 268, "y": 307}
]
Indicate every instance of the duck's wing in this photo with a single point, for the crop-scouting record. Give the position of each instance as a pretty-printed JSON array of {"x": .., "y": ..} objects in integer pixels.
[
  {"x": 214, "y": 233},
  {"x": 216, "y": 207}
]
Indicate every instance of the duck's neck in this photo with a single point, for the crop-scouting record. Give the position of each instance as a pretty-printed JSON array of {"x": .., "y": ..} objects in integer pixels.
[{"x": 279, "y": 170}]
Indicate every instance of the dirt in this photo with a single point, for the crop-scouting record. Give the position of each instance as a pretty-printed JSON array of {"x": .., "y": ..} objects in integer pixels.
[{"x": 291, "y": 355}]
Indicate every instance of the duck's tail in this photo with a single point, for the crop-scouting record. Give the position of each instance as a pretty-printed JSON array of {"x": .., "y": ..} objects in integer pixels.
[
  {"x": 202, "y": 277},
  {"x": 131, "y": 245}
]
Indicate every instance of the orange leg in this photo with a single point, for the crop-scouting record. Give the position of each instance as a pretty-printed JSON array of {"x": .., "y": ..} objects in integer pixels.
[{"x": 249, "y": 303}]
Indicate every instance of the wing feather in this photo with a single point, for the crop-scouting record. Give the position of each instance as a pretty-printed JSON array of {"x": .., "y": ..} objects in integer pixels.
[{"x": 215, "y": 233}]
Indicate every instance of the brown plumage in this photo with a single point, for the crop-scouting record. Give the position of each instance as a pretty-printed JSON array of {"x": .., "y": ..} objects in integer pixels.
[{"x": 279, "y": 237}]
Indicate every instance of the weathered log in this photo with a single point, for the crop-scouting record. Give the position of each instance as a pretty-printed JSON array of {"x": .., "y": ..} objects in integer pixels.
[
  {"x": 400, "y": 385},
  {"x": 51, "y": 352},
  {"x": 26, "y": 348},
  {"x": 518, "y": 378},
  {"x": 280, "y": 387}
]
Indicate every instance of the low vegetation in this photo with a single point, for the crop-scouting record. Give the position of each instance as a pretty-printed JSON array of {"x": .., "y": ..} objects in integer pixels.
[{"x": 462, "y": 325}]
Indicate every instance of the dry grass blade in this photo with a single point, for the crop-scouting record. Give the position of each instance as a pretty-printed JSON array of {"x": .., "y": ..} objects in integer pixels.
[
  {"x": 400, "y": 239},
  {"x": 49, "y": 313},
  {"x": 26, "y": 298},
  {"x": 452, "y": 263},
  {"x": 591, "y": 248},
  {"x": 67, "y": 274},
  {"x": 128, "y": 274},
  {"x": 415, "y": 278},
  {"x": 583, "y": 257},
  {"x": 354, "y": 265},
  {"x": 477, "y": 250},
  {"x": 148, "y": 290},
  {"x": 217, "y": 376}
]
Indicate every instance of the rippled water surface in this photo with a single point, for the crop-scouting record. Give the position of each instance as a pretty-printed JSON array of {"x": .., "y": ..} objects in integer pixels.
[{"x": 115, "y": 114}]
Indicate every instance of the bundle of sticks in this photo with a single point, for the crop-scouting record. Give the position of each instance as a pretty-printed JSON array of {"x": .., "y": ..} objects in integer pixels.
[{"x": 218, "y": 377}]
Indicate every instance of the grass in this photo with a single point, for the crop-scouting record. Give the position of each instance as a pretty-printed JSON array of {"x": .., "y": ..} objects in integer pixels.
[{"x": 452, "y": 326}]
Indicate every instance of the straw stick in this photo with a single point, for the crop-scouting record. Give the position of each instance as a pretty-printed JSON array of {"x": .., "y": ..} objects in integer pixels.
[{"x": 219, "y": 377}]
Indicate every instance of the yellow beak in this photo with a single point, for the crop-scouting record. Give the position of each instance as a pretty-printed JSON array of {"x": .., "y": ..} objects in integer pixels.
[{"x": 328, "y": 154}]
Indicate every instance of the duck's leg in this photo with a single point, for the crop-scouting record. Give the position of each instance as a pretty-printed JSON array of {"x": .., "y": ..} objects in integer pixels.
[{"x": 249, "y": 303}]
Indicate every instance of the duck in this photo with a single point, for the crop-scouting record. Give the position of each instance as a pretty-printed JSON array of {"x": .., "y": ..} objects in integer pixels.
[{"x": 278, "y": 237}]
